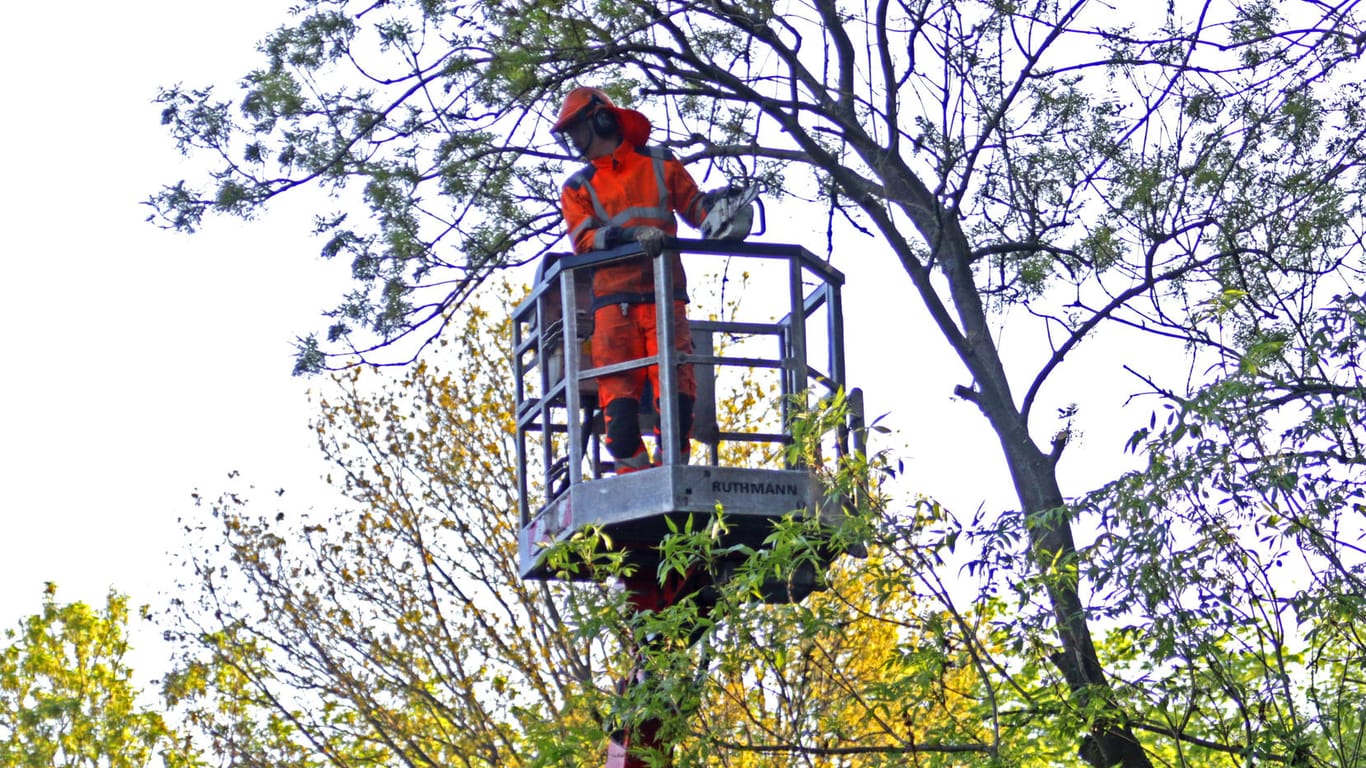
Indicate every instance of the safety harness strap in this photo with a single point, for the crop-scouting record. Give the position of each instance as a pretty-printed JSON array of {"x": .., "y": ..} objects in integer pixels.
[{"x": 629, "y": 297}]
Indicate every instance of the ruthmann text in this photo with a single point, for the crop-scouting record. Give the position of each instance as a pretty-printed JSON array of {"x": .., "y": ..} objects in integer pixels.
[{"x": 769, "y": 489}]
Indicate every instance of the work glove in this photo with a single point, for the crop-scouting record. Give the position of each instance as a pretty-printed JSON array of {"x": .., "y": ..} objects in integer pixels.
[{"x": 651, "y": 240}]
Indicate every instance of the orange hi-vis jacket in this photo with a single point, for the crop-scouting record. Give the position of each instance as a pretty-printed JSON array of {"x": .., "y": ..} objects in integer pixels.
[{"x": 607, "y": 199}]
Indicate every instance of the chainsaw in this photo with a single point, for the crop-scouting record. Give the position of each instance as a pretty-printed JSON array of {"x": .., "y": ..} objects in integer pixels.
[{"x": 731, "y": 216}]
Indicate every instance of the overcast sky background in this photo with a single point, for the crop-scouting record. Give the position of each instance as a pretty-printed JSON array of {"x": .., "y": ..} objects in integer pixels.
[
  {"x": 142, "y": 365},
  {"x": 139, "y": 364}
]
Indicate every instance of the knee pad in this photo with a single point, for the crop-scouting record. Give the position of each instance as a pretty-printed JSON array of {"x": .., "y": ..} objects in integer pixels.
[{"x": 623, "y": 427}]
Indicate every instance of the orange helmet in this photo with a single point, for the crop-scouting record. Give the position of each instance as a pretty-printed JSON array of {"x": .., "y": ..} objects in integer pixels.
[
  {"x": 584, "y": 103},
  {"x": 579, "y": 104}
]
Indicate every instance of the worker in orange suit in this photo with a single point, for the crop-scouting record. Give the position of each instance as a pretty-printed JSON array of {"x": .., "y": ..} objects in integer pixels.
[{"x": 628, "y": 192}]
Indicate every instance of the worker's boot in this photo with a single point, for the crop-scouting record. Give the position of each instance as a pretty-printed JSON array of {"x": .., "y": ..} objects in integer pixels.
[
  {"x": 684, "y": 457},
  {"x": 635, "y": 463}
]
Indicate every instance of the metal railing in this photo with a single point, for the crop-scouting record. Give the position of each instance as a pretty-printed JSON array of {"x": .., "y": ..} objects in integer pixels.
[{"x": 557, "y": 431}]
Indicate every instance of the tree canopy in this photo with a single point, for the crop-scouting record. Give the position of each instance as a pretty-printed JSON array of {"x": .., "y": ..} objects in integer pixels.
[
  {"x": 396, "y": 631},
  {"x": 1190, "y": 172},
  {"x": 67, "y": 698}
]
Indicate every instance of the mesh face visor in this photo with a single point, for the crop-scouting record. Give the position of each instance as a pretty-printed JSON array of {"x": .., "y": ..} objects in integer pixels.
[
  {"x": 566, "y": 141},
  {"x": 564, "y": 136}
]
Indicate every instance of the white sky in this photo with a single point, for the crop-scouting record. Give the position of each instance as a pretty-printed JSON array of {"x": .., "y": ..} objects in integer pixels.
[{"x": 141, "y": 365}]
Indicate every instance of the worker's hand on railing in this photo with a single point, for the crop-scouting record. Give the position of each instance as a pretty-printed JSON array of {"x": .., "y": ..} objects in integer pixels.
[{"x": 651, "y": 240}]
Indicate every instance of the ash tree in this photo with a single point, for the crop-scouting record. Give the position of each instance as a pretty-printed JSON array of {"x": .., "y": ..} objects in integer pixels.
[{"x": 1189, "y": 173}]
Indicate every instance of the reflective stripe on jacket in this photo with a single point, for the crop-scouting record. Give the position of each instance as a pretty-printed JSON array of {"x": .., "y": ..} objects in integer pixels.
[{"x": 631, "y": 187}]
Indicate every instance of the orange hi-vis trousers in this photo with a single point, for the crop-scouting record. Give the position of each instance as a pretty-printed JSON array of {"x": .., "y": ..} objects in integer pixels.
[{"x": 630, "y": 332}]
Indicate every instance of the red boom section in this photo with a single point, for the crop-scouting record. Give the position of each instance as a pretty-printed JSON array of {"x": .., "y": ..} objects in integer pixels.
[{"x": 645, "y": 593}]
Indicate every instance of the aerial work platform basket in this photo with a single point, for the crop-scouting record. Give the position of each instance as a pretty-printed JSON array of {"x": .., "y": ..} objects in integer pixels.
[{"x": 566, "y": 480}]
